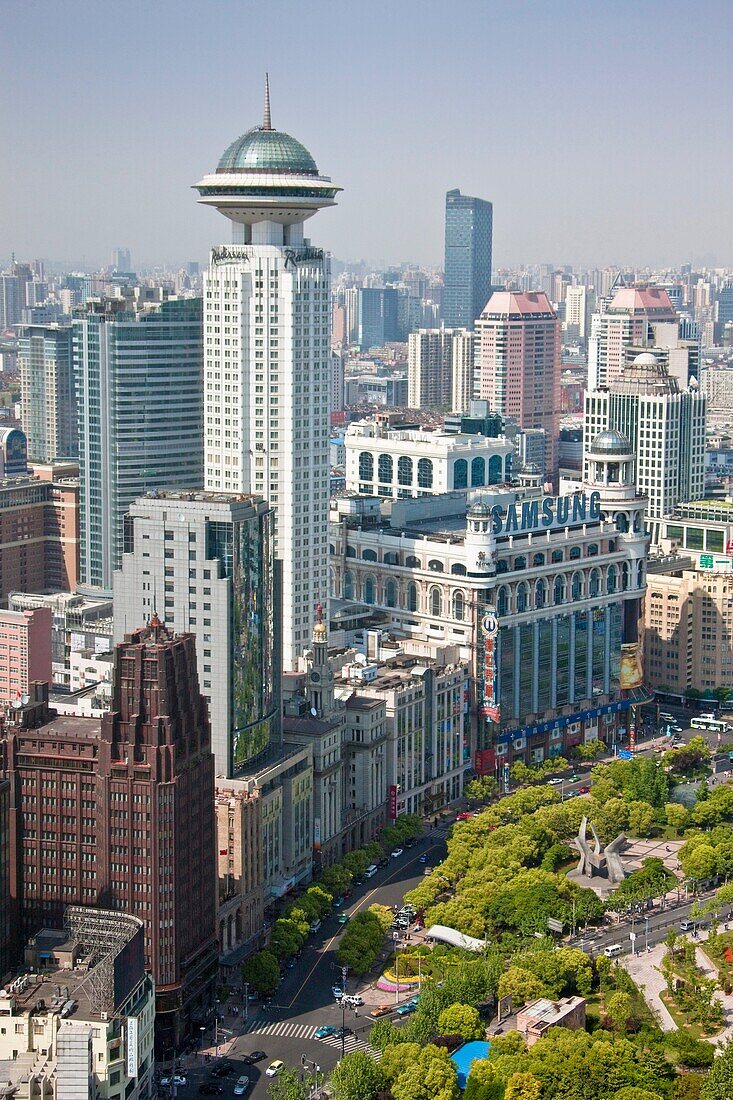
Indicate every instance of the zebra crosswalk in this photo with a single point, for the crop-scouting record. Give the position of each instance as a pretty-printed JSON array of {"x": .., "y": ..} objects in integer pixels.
[{"x": 262, "y": 1026}]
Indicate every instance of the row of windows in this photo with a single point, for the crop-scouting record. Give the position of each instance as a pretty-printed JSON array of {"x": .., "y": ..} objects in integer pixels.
[{"x": 385, "y": 468}]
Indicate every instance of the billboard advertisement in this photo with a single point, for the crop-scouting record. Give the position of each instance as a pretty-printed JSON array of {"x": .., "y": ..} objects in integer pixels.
[
  {"x": 131, "y": 1044},
  {"x": 631, "y": 674},
  {"x": 392, "y": 802},
  {"x": 490, "y": 630}
]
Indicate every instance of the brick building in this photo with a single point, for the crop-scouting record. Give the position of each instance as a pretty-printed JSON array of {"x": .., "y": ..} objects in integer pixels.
[
  {"x": 25, "y": 651},
  {"x": 120, "y": 812},
  {"x": 39, "y": 536}
]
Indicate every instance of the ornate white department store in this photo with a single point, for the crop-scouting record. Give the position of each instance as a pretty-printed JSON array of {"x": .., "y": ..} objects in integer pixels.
[{"x": 565, "y": 577}]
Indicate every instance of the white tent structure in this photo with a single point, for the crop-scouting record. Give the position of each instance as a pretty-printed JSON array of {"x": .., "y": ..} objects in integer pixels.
[{"x": 454, "y": 938}]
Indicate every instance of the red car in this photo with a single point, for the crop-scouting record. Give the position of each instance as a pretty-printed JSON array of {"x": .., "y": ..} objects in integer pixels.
[
  {"x": 583, "y": 790},
  {"x": 464, "y": 816}
]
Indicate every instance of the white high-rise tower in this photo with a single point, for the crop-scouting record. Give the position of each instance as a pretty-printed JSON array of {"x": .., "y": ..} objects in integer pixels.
[{"x": 267, "y": 357}]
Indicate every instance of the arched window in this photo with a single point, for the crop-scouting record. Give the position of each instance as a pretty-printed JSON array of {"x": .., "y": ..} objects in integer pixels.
[
  {"x": 557, "y": 555},
  {"x": 502, "y": 566},
  {"x": 369, "y": 555},
  {"x": 458, "y": 570},
  {"x": 331, "y": 548},
  {"x": 370, "y": 590},
  {"x": 502, "y": 601},
  {"x": 611, "y": 546},
  {"x": 520, "y": 562},
  {"x": 495, "y": 477},
  {"x": 366, "y": 466},
  {"x": 436, "y": 566},
  {"x": 350, "y": 552},
  {"x": 577, "y": 586},
  {"x": 436, "y": 603},
  {"x": 640, "y": 575},
  {"x": 390, "y": 594},
  {"x": 522, "y": 596},
  {"x": 412, "y": 562},
  {"x": 540, "y": 593},
  {"x": 593, "y": 550},
  {"x": 595, "y": 583},
  {"x": 612, "y": 579},
  {"x": 390, "y": 558},
  {"x": 460, "y": 474},
  {"x": 348, "y": 585},
  {"x": 559, "y": 593},
  {"x": 538, "y": 559},
  {"x": 412, "y": 597},
  {"x": 459, "y": 606},
  {"x": 574, "y": 553},
  {"x": 622, "y": 522},
  {"x": 625, "y": 576},
  {"x": 385, "y": 469},
  {"x": 637, "y": 522},
  {"x": 478, "y": 471},
  {"x": 425, "y": 473},
  {"x": 404, "y": 470}
]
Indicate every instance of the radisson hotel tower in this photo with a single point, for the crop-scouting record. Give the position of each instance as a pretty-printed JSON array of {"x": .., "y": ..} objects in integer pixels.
[{"x": 266, "y": 357}]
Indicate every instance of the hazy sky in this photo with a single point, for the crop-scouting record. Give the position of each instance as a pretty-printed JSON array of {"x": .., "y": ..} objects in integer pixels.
[{"x": 601, "y": 131}]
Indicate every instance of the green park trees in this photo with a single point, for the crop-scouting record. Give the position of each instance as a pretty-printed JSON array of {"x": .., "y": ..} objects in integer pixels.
[
  {"x": 463, "y": 1020},
  {"x": 357, "y": 1077}
]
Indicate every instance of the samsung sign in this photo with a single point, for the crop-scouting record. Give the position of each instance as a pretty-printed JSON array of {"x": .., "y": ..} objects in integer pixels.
[{"x": 536, "y": 515}]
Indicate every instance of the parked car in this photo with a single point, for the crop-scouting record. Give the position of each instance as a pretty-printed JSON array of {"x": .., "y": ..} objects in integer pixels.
[
  {"x": 338, "y": 902},
  {"x": 583, "y": 790},
  {"x": 410, "y": 842},
  {"x": 397, "y": 852},
  {"x": 224, "y": 1069},
  {"x": 427, "y": 870},
  {"x": 255, "y": 1056},
  {"x": 325, "y": 1031},
  {"x": 354, "y": 1000},
  {"x": 406, "y": 1009},
  {"x": 177, "y": 1079},
  {"x": 337, "y": 992},
  {"x": 344, "y": 918},
  {"x": 275, "y": 1068},
  {"x": 555, "y": 782},
  {"x": 382, "y": 1010},
  {"x": 243, "y": 1083},
  {"x": 423, "y": 858},
  {"x": 464, "y": 815},
  {"x": 383, "y": 862}
]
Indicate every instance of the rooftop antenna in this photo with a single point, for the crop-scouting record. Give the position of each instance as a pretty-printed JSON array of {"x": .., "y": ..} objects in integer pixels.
[{"x": 266, "y": 121}]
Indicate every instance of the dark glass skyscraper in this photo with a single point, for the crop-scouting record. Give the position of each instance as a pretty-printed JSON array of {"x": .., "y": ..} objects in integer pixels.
[{"x": 468, "y": 232}]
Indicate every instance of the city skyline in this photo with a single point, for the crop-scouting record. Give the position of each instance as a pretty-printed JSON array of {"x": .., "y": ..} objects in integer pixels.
[{"x": 175, "y": 95}]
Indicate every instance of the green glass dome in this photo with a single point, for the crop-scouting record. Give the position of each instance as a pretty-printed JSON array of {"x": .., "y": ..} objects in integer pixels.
[{"x": 261, "y": 150}]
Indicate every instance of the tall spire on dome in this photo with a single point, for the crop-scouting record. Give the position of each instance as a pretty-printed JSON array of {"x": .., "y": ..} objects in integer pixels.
[{"x": 266, "y": 120}]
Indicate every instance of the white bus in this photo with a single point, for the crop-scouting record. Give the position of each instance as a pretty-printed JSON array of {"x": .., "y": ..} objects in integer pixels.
[{"x": 712, "y": 724}]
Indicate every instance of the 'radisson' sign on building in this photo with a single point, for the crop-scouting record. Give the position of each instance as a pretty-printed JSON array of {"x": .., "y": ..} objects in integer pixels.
[{"x": 542, "y": 514}]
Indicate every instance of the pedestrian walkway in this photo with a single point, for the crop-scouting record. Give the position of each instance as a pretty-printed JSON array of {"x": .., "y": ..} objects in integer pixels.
[{"x": 263, "y": 1026}]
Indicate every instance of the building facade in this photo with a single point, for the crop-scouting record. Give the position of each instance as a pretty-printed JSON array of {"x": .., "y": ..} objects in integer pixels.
[
  {"x": 159, "y": 861},
  {"x": 240, "y": 912},
  {"x": 267, "y": 358},
  {"x": 5, "y": 903},
  {"x": 25, "y": 652},
  {"x": 627, "y": 320},
  {"x": 138, "y": 376},
  {"x": 39, "y": 536},
  {"x": 47, "y": 391},
  {"x": 204, "y": 561},
  {"x": 468, "y": 245},
  {"x": 385, "y": 460},
  {"x": 561, "y": 580},
  {"x": 666, "y": 427},
  {"x": 430, "y": 368},
  {"x": 518, "y": 364},
  {"x": 78, "y": 625}
]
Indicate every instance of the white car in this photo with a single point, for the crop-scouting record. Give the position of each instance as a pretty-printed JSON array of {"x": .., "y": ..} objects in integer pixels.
[
  {"x": 555, "y": 782},
  {"x": 397, "y": 852},
  {"x": 275, "y": 1068},
  {"x": 354, "y": 1001},
  {"x": 177, "y": 1079},
  {"x": 337, "y": 992}
]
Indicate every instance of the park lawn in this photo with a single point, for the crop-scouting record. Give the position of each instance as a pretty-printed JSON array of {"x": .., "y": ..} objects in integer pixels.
[{"x": 682, "y": 1020}]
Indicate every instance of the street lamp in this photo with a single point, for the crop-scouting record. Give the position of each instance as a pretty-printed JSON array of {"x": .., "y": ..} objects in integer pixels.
[
  {"x": 646, "y": 933},
  {"x": 203, "y": 1032}
]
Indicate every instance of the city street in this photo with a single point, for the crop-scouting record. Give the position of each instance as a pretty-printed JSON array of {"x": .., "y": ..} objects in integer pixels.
[{"x": 303, "y": 1001}]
